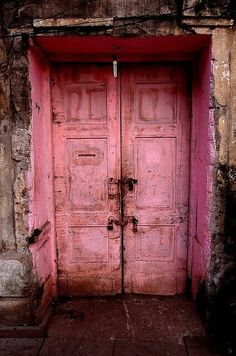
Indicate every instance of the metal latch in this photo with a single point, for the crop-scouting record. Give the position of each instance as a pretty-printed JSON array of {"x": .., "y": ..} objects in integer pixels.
[
  {"x": 131, "y": 182},
  {"x": 33, "y": 237},
  {"x": 114, "y": 181},
  {"x": 110, "y": 223},
  {"x": 135, "y": 224},
  {"x": 123, "y": 222}
]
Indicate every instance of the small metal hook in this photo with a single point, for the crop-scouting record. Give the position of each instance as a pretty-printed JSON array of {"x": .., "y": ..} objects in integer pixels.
[{"x": 115, "y": 65}]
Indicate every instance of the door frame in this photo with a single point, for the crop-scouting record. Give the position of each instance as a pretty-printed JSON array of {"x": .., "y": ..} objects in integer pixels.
[{"x": 197, "y": 50}]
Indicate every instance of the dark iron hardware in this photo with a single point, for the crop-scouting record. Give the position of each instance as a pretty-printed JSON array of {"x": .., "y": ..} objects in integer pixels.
[
  {"x": 114, "y": 181},
  {"x": 135, "y": 224},
  {"x": 110, "y": 223},
  {"x": 33, "y": 237},
  {"x": 123, "y": 222},
  {"x": 131, "y": 182}
]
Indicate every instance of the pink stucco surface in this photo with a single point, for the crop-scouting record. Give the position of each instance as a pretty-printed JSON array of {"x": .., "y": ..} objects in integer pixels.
[
  {"x": 202, "y": 170},
  {"x": 41, "y": 174}
]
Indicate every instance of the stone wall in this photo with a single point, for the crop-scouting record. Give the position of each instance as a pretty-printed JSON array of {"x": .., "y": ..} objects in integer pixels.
[{"x": 16, "y": 280}]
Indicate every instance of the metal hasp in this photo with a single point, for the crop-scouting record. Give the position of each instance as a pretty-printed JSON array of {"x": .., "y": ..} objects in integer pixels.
[
  {"x": 122, "y": 222},
  {"x": 131, "y": 182},
  {"x": 114, "y": 181},
  {"x": 36, "y": 232},
  {"x": 110, "y": 223},
  {"x": 135, "y": 224}
]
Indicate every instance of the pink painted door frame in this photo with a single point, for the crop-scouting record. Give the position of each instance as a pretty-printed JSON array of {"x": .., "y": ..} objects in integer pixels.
[{"x": 195, "y": 49}]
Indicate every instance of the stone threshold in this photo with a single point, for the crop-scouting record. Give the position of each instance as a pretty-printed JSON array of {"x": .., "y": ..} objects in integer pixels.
[{"x": 27, "y": 331}]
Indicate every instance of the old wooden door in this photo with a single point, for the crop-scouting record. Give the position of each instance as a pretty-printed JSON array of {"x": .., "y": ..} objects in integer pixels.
[
  {"x": 121, "y": 211},
  {"x": 155, "y": 152},
  {"x": 86, "y": 153}
]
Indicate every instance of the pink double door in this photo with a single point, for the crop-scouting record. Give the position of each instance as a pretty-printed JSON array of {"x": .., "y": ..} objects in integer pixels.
[{"x": 121, "y": 162}]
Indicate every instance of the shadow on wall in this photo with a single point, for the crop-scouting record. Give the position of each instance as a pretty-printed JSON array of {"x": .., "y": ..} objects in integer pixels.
[{"x": 219, "y": 310}]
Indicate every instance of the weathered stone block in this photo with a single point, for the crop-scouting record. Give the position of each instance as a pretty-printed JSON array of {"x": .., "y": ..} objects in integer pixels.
[
  {"x": 20, "y": 144},
  {"x": 12, "y": 278}
]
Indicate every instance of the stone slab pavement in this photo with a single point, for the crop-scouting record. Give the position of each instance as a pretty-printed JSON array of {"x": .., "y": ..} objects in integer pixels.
[{"x": 125, "y": 325}]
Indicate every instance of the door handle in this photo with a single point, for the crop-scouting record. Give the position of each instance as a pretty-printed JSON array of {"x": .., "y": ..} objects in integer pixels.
[{"x": 131, "y": 182}]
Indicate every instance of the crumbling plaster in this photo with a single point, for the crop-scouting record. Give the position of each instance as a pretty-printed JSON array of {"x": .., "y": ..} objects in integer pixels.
[
  {"x": 16, "y": 278},
  {"x": 128, "y": 20}
]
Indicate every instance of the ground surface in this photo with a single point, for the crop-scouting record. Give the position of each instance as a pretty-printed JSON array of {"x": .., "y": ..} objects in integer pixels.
[{"x": 130, "y": 325}]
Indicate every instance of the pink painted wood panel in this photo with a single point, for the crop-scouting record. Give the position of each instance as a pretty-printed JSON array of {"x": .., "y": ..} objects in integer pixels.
[
  {"x": 155, "y": 170},
  {"x": 86, "y": 156},
  {"x": 87, "y": 167},
  {"x": 155, "y": 151}
]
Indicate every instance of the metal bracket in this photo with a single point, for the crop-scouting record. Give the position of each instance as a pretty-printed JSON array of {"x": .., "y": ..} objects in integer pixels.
[
  {"x": 135, "y": 224},
  {"x": 33, "y": 237},
  {"x": 114, "y": 181},
  {"x": 123, "y": 222},
  {"x": 131, "y": 182}
]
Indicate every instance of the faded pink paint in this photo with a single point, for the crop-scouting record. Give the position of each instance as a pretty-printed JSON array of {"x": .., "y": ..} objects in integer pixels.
[
  {"x": 86, "y": 148},
  {"x": 40, "y": 178},
  {"x": 156, "y": 122},
  {"x": 155, "y": 150},
  {"x": 202, "y": 147}
]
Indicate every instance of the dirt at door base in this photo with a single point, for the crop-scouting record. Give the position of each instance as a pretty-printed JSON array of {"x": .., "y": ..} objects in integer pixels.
[{"x": 127, "y": 325}]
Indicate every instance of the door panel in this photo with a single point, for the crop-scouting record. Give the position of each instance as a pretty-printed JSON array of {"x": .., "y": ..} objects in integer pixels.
[
  {"x": 155, "y": 172},
  {"x": 155, "y": 122},
  {"x": 87, "y": 164},
  {"x": 86, "y": 155}
]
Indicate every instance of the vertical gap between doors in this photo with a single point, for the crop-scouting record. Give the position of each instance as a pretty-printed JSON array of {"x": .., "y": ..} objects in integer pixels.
[{"x": 121, "y": 185}]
